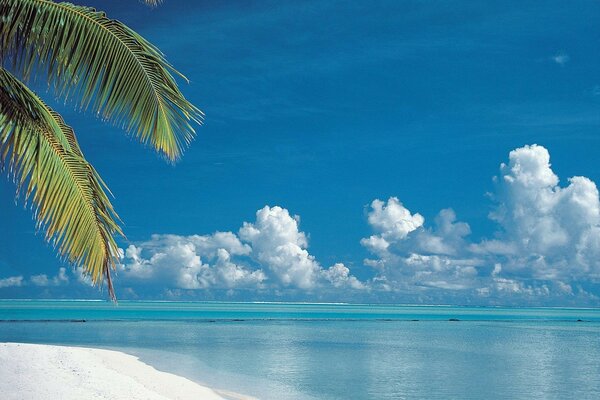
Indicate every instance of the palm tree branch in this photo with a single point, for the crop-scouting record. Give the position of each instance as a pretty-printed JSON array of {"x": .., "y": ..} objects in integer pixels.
[
  {"x": 42, "y": 154},
  {"x": 113, "y": 70}
]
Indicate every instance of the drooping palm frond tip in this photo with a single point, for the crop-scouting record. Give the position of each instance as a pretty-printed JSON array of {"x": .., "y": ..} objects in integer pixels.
[
  {"x": 110, "y": 68},
  {"x": 153, "y": 3},
  {"x": 42, "y": 155}
]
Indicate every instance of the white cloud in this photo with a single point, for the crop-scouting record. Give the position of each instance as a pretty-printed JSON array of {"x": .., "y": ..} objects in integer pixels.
[
  {"x": 411, "y": 255},
  {"x": 189, "y": 262},
  {"x": 42, "y": 280},
  {"x": 548, "y": 238},
  {"x": 339, "y": 276},
  {"x": 82, "y": 277},
  {"x": 553, "y": 231},
  {"x": 280, "y": 247},
  {"x": 448, "y": 236},
  {"x": 546, "y": 246},
  {"x": 392, "y": 222},
  {"x": 561, "y": 58},
  {"x": 11, "y": 281},
  {"x": 267, "y": 254}
]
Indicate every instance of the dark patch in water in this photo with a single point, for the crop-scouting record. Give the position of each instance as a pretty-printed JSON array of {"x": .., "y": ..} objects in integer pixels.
[{"x": 42, "y": 320}]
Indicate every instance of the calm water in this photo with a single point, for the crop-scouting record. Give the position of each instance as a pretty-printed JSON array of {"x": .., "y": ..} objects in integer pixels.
[{"x": 325, "y": 351}]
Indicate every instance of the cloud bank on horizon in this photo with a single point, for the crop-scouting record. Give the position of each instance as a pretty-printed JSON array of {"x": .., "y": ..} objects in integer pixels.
[{"x": 544, "y": 251}]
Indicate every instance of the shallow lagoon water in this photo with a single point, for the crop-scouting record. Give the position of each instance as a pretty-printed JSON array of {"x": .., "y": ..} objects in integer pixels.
[{"x": 336, "y": 351}]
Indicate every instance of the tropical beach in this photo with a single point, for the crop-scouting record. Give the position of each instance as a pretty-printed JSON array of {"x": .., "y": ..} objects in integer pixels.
[
  {"x": 315, "y": 200},
  {"x": 285, "y": 351},
  {"x": 62, "y": 372}
]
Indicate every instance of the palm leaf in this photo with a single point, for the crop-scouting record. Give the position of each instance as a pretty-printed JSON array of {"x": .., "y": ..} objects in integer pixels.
[
  {"x": 41, "y": 153},
  {"x": 152, "y": 3},
  {"x": 107, "y": 66}
]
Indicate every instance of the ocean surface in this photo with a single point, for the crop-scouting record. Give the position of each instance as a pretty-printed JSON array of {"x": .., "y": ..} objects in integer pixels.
[{"x": 336, "y": 351}]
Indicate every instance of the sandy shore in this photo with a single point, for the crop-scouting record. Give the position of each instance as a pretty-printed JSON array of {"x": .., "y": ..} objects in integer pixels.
[{"x": 44, "y": 372}]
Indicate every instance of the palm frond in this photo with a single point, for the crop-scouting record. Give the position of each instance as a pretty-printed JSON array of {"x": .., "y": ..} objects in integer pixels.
[
  {"x": 42, "y": 155},
  {"x": 152, "y": 3},
  {"x": 103, "y": 63}
]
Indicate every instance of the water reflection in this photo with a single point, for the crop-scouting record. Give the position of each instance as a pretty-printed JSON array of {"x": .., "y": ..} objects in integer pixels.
[{"x": 355, "y": 359}]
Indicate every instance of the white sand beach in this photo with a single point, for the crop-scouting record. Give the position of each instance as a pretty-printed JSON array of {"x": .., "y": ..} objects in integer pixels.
[{"x": 45, "y": 372}]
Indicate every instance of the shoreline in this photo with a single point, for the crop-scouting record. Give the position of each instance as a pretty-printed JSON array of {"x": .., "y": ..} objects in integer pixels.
[{"x": 45, "y": 372}]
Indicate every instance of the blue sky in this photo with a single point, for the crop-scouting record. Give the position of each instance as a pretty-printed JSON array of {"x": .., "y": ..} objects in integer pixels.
[{"x": 318, "y": 109}]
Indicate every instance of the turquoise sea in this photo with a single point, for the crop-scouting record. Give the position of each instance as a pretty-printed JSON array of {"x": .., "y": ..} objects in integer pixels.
[{"x": 336, "y": 351}]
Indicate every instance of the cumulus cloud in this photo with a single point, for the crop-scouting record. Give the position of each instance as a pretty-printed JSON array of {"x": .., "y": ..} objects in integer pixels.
[
  {"x": 552, "y": 232},
  {"x": 339, "y": 276},
  {"x": 281, "y": 247},
  {"x": 43, "y": 280},
  {"x": 548, "y": 237},
  {"x": 546, "y": 246},
  {"x": 189, "y": 262},
  {"x": 267, "y": 254},
  {"x": 392, "y": 223},
  {"x": 415, "y": 256},
  {"x": 11, "y": 281}
]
